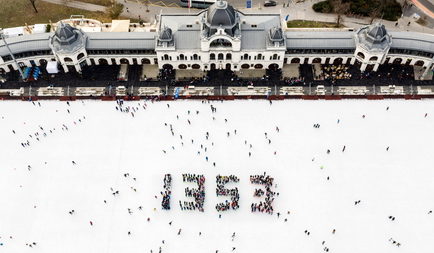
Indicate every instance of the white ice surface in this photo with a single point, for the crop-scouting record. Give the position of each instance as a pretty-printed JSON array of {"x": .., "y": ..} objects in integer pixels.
[{"x": 34, "y": 204}]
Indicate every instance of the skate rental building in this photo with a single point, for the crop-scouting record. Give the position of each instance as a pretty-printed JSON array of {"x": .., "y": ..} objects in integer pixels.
[{"x": 219, "y": 37}]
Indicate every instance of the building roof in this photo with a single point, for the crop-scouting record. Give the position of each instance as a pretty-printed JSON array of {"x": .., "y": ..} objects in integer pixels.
[
  {"x": 165, "y": 34},
  {"x": 26, "y": 43},
  {"x": 221, "y": 14},
  {"x": 121, "y": 40},
  {"x": 320, "y": 40},
  {"x": 187, "y": 39},
  {"x": 373, "y": 37},
  {"x": 413, "y": 41}
]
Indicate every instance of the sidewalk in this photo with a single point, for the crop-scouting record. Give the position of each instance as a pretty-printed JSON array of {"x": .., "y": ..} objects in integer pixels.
[{"x": 78, "y": 5}]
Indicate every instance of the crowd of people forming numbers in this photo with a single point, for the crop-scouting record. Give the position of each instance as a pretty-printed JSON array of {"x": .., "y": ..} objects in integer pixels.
[{"x": 198, "y": 193}]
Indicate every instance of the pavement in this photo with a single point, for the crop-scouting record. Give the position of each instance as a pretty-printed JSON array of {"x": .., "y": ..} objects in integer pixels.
[
  {"x": 138, "y": 10},
  {"x": 78, "y": 5}
]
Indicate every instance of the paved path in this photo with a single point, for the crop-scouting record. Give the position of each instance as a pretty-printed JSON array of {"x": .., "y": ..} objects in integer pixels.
[{"x": 78, "y": 5}]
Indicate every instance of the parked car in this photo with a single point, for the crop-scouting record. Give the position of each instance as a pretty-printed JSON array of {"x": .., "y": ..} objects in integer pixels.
[{"x": 270, "y": 3}]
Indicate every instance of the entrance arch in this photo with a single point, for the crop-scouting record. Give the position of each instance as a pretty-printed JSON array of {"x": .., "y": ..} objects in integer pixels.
[
  {"x": 419, "y": 63},
  {"x": 146, "y": 61},
  {"x": 195, "y": 66},
  {"x": 258, "y": 66},
  {"x": 167, "y": 66},
  {"x": 273, "y": 66},
  {"x": 295, "y": 60},
  {"x": 102, "y": 61},
  {"x": 245, "y": 66},
  {"x": 338, "y": 61},
  {"x": 228, "y": 66},
  {"x": 124, "y": 61},
  {"x": 316, "y": 60},
  {"x": 182, "y": 66},
  {"x": 397, "y": 61},
  {"x": 212, "y": 66}
]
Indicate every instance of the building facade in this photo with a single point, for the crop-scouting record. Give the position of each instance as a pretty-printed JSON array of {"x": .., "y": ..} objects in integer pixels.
[{"x": 217, "y": 38}]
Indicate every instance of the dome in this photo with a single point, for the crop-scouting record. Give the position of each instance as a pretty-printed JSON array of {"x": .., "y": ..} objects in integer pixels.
[
  {"x": 374, "y": 37},
  {"x": 221, "y": 14},
  {"x": 65, "y": 34},
  {"x": 377, "y": 31},
  {"x": 166, "y": 34},
  {"x": 276, "y": 34}
]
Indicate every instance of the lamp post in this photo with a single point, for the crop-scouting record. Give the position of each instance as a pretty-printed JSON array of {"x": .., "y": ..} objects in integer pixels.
[{"x": 11, "y": 54}]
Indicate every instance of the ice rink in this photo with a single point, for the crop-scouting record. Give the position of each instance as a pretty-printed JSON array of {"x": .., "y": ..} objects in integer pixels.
[{"x": 387, "y": 168}]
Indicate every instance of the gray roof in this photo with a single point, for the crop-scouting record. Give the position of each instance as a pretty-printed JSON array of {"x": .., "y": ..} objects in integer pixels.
[
  {"x": 221, "y": 14},
  {"x": 276, "y": 34},
  {"x": 26, "y": 43},
  {"x": 66, "y": 34},
  {"x": 373, "y": 37},
  {"x": 121, "y": 40},
  {"x": 413, "y": 41},
  {"x": 166, "y": 34},
  {"x": 320, "y": 40},
  {"x": 187, "y": 39},
  {"x": 253, "y": 40}
]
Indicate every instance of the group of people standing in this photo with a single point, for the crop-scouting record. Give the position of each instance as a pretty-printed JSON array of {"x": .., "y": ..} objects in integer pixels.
[
  {"x": 222, "y": 191},
  {"x": 267, "y": 205}
]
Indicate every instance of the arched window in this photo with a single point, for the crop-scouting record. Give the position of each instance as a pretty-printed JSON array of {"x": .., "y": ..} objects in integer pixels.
[
  {"x": 373, "y": 58},
  {"x": 195, "y": 57},
  {"x": 220, "y": 56},
  {"x": 220, "y": 43},
  {"x": 228, "y": 56},
  {"x": 146, "y": 61},
  {"x": 166, "y": 57},
  {"x": 212, "y": 56},
  {"x": 67, "y": 59},
  {"x": 259, "y": 66},
  {"x": 80, "y": 56},
  {"x": 361, "y": 55},
  {"x": 259, "y": 57},
  {"x": 245, "y": 66},
  {"x": 246, "y": 56},
  {"x": 274, "y": 56},
  {"x": 182, "y": 66},
  {"x": 195, "y": 66},
  {"x": 181, "y": 57}
]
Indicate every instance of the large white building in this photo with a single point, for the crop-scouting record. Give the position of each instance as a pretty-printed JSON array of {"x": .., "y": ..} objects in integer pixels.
[{"x": 217, "y": 38}]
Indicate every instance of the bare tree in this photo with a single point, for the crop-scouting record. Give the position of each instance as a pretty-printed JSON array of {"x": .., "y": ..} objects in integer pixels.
[
  {"x": 340, "y": 8},
  {"x": 375, "y": 13},
  {"x": 33, "y": 2}
]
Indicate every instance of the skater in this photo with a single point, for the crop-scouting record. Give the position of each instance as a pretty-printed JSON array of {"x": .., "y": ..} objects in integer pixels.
[
  {"x": 179, "y": 231},
  {"x": 387, "y": 149},
  {"x": 73, "y": 163},
  {"x": 343, "y": 149},
  {"x": 91, "y": 223}
]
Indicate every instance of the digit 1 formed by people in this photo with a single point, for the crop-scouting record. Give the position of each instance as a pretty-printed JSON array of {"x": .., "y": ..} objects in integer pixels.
[
  {"x": 197, "y": 193},
  {"x": 167, "y": 184},
  {"x": 222, "y": 191},
  {"x": 265, "y": 206}
]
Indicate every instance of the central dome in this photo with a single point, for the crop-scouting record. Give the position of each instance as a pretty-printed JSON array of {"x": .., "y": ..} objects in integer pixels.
[{"x": 221, "y": 14}]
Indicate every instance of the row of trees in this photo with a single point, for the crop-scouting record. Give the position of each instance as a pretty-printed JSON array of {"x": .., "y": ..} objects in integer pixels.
[{"x": 385, "y": 9}]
